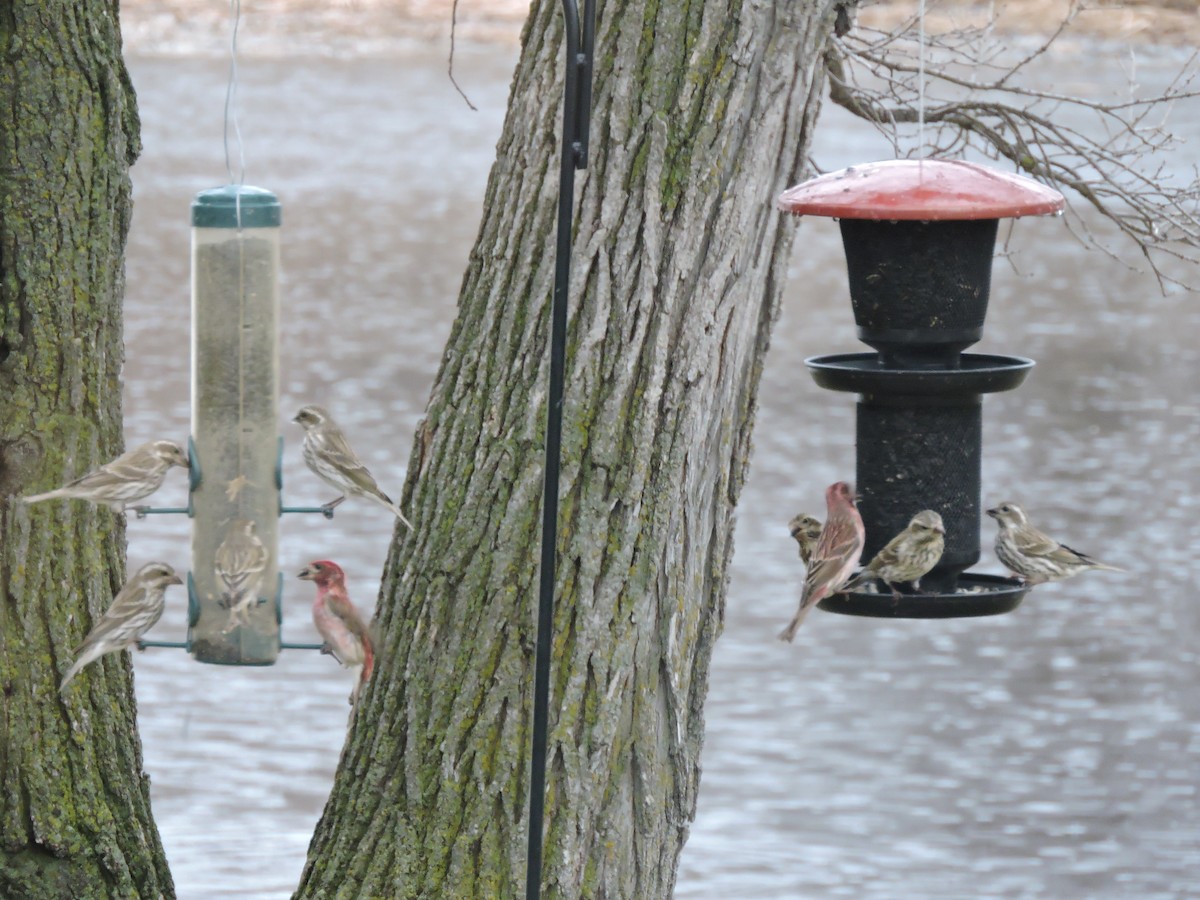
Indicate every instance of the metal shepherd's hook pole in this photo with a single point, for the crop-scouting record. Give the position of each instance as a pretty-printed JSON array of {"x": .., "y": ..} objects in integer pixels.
[{"x": 577, "y": 103}]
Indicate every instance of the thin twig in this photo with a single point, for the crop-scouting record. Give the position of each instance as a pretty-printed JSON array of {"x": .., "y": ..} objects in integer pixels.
[
  {"x": 1112, "y": 160},
  {"x": 450, "y": 61}
]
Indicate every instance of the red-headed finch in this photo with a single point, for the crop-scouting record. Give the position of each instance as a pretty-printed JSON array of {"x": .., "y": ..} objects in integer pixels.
[
  {"x": 1032, "y": 555},
  {"x": 134, "y": 611},
  {"x": 805, "y": 529},
  {"x": 837, "y": 552},
  {"x": 908, "y": 556},
  {"x": 346, "y": 634},
  {"x": 239, "y": 564},
  {"x": 329, "y": 455},
  {"x": 131, "y": 476}
]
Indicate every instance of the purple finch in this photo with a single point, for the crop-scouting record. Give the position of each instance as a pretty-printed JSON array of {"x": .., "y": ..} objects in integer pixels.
[
  {"x": 329, "y": 455},
  {"x": 806, "y": 530},
  {"x": 346, "y": 634},
  {"x": 131, "y": 476},
  {"x": 239, "y": 563},
  {"x": 134, "y": 611},
  {"x": 908, "y": 556},
  {"x": 838, "y": 549},
  {"x": 1032, "y": 555}
]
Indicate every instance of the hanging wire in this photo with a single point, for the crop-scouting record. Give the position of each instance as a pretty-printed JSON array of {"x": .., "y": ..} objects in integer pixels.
[
  {"x": 231, "y": 120},
  {"x": 921, "y": 78},
  {"x": 231, "y": 123}
]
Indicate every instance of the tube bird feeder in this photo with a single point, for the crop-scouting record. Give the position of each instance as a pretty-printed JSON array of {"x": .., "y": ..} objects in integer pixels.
[
  {"x": 919, "y": 236},
  {"x": 234, "y": 587}
]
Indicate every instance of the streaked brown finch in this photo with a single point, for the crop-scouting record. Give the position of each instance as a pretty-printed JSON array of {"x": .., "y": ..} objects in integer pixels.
[
  {"x": 838, "y": 549},
  {"x": 131, "y": 476},
  {"x": 1033, "y": 556},
  {"x": 239, "y": 564},
  {"x": 907, "y": 557},
  {"x": 806, "y": 530},
  {"x": 132, "y": 613},
  {"x": 329, "y": 455}
]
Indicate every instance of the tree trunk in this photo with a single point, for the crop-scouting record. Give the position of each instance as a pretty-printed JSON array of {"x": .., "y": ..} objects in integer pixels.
[
  {"x": 702, "y": 115},
  {"x": 74, "y": 802}
]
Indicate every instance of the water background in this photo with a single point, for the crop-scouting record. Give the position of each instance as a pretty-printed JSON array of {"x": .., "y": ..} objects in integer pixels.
[{"x": 1049, "y": 753}]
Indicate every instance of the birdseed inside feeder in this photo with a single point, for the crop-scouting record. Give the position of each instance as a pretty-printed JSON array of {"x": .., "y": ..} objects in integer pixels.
[{"x": 234, "y": 587}]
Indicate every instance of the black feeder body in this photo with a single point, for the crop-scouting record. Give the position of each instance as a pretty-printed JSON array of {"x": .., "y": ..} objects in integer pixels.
[{"x": 919, "y": 236}]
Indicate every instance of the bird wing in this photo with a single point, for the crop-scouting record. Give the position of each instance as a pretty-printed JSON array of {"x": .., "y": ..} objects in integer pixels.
[
  {"x": 1066, "y": 555},
  {"x": 338, "y": 452},
  {"x": 339, "y": 604},
  {"x": 134, "y": 465},
  {"x": 241, "y": 562},
  {"x": 826, "y": 564},
  {"x": 131, "y": 599},
  {"x": 1030, "y": 542},
  {"x": 888, "y": 556},
  {"x": 240, "y": 552}
]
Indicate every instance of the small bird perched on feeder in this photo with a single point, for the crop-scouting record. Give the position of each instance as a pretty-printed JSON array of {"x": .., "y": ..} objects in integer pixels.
[
  {"x": 909, "y": 556},
  {"x": 1033, "y": 556},
  {"x": 131, "y": 476},
  {"x": 329, "y": 455},
  {"x": 136, "y": 608},
  {"x": 346, "y": 635},
  {"x": 239, "y": 563},
  {"x": 838, "y": 549},
  {"x": 805, "y": 529}
]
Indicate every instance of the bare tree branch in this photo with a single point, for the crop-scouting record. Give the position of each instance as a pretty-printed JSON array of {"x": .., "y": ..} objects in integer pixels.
[{"x": 1111, "y": 155}]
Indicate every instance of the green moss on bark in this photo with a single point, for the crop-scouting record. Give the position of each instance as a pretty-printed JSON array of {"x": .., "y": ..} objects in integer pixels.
[
  {"x": 701, "y": 117},
  {"x": 74, "y": 803}
]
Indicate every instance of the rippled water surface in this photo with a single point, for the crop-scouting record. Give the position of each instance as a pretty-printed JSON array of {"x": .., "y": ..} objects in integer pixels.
[{"x": 1049, "y": 753}]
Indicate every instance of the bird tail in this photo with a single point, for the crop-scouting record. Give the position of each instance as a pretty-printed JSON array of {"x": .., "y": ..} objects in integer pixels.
[
  {"x": 385, "y": 501},
  {"x": 89, "y": 655},
  {"x": 38, "y": 498},
  {"x": 859, "y": 581},
  {"x": 1096, "y": 565},
  {"x": 395, "y": 508},
  {"x": 789, "y": 633},
  {"x": 368, "y": 665}
]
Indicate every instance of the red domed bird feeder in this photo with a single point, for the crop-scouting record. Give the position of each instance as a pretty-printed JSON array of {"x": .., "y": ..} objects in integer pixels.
[{"x": 919, "y": 236}]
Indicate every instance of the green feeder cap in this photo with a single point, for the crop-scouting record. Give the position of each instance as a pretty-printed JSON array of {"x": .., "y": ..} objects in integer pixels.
[{"x": 223, "y": 207}]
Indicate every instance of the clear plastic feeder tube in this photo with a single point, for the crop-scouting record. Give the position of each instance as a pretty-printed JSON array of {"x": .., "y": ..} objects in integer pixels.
[{"x": 235, "y": 388}]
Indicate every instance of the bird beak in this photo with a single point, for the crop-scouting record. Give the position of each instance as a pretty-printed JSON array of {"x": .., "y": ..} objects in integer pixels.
[
  {"x": 305, "y": 573},
  {"x": 175, "y": 579},
  {"x": 994, "y": 513}
]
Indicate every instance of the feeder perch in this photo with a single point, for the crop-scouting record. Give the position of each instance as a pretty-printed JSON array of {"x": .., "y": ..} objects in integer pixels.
[
  {"x": 235, "y": 503},
  {"x": 919, "y": 237}
]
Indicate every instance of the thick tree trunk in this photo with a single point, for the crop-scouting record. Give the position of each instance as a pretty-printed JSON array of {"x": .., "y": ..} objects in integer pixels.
[
  {"x": 74, "y": 803},
  {"x": 703, "y": 113}
]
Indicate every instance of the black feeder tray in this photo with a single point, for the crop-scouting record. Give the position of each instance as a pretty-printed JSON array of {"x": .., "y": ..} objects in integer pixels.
[{"x": 919, "y": 236}]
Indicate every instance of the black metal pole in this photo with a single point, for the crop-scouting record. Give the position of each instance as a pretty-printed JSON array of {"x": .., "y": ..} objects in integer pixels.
[{"x": 576, "y": 114}]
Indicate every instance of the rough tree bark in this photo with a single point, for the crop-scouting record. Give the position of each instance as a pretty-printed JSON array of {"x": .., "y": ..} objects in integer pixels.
[
  {"x": 74, "y": 802},
  {"x": 703, "y": 114}
]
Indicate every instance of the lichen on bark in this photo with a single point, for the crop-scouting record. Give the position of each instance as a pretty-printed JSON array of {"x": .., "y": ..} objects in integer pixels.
[
  {"x": 74, "y": 800},
  {"x": 702, "y": 115}
]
